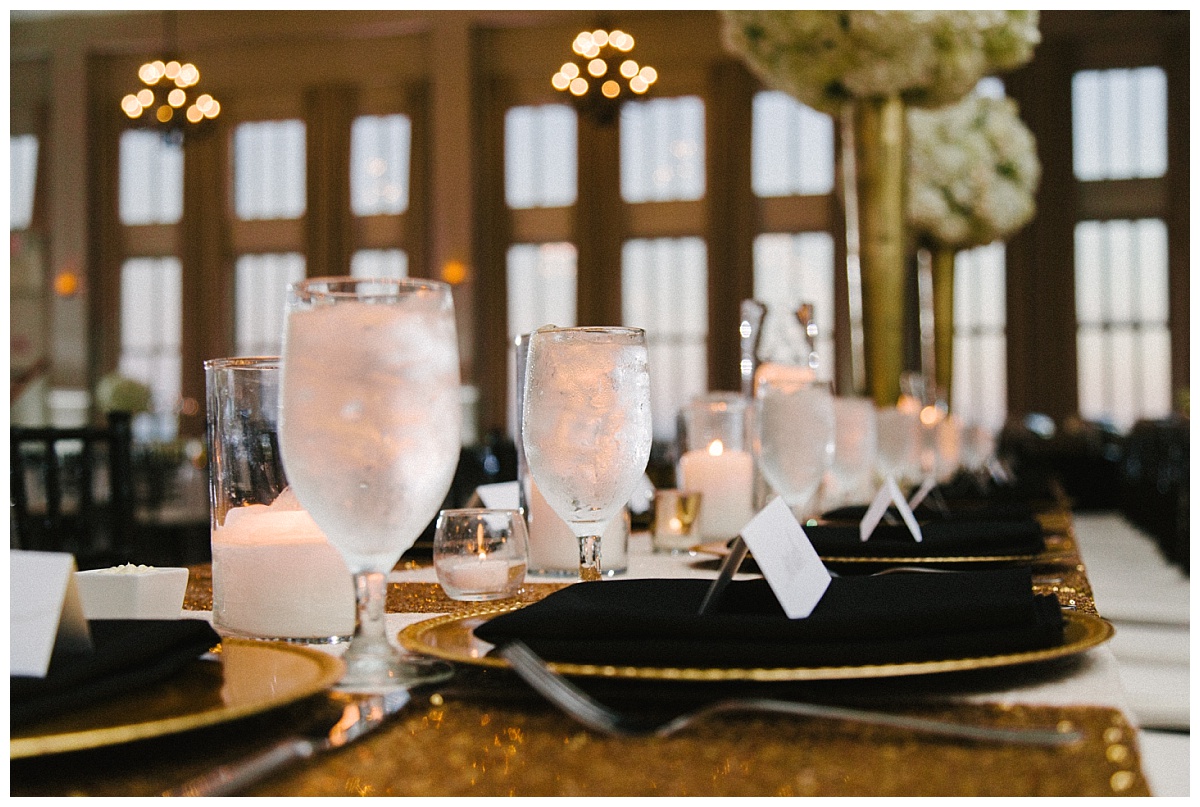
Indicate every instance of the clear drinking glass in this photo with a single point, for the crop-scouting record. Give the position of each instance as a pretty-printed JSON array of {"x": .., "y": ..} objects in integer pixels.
[
  {"x": 586, "y": 426},
  {"x": 369, "y": 431},
  {"x": 795, "y": 439}
]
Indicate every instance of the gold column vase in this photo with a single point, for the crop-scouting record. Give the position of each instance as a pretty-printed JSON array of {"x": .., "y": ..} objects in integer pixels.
[{"x": 879, "y": 153}]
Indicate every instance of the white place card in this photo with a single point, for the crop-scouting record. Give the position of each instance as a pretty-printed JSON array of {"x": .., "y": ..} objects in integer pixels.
[
  {"x": 45, "y": 612},
  {"x": 889, "y": 494},
  {"x": 499, "y": 495},
  {"x": 926, "y": 488},
  {"x": 787, "y": 559}
]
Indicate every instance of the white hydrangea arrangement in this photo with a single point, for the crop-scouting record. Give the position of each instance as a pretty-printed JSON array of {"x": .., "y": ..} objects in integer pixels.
[
  {"x": 929, "y": 58},
  {"x": 972, "y": 173}
]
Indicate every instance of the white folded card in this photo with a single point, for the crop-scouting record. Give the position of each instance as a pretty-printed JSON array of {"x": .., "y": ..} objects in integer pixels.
[
  {"x": 787, "y": 559},
  {"x": 499, "y": 496},
  {"x": 45, "y": 613},
  {"x": 888, "y": 495}
]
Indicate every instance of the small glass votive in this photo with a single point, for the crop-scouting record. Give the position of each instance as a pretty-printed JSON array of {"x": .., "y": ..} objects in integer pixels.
[
  {"x": 675, "y": 513},
  {"x": 480, "y": 554}
]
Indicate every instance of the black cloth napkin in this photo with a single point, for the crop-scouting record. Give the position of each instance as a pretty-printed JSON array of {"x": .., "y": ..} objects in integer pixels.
[
  {"x": 860, "y": 620},
  {"x": 126, "y": 654},
  {"x": 940, "y": 539}
]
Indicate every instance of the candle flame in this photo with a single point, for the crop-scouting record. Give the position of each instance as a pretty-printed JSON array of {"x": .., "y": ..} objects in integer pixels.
[
  {"x": 480, "y": 541},
  {"x": 716, "y": 448}
]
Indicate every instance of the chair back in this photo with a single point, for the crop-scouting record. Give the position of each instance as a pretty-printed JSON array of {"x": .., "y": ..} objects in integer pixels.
[{"x": 72, "y": 491}]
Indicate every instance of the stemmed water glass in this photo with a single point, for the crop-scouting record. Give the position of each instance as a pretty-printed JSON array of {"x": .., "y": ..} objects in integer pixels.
[
  {"x": 794, "y": 439},
  {"x": 586, "y": 426},
  {"x": 369, "y": 436}
]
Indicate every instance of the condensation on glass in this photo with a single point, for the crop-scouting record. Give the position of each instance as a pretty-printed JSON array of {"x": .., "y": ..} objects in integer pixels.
[
  {"x": 151, "y": 185},
  {"x": 260, "y": 293},
  {"x": 662, "y": 150},
  {"x": 980, "y": 384},
  {"x": 22, "y": 178},
  {"x": 1121, "y": 307},
  {"x": 664, "y": 291},
  {"x": 151, "y": 326},
  {"x": 792, "y": 147},
  {"x": 380, "y": 155},
  {"x": 791, "y": 269},
  {"x": 379, "y": 263},
  {"x": 540, "y": 155},
  {"x": 1119, "y": 123},
  {"x": 268, "y": 170}
]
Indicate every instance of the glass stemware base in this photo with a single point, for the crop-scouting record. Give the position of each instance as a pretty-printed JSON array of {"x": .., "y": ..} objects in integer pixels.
[{"x": 373, "y": 665}]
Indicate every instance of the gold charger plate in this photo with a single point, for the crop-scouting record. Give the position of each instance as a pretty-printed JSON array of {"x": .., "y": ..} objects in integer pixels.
[
  {"x": 251, "y": 677},
  {"x": 452, "y": 638}
]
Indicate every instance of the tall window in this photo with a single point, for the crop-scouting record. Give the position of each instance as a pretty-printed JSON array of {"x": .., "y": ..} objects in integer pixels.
[
  {"x": 792, "y": 156},
  {"x": 789, "y": 271},
  {"x": 151, "y": 306},
  {"x": 663, "y": 291},
  {"x": 979, "y": 396},
  {"x": 664, "y": 280},
  {"x": 662, "y": 150},
  {"x": 151, "y": 188},
  {"x": 261, "y": 282},
  {"x": 1119, "y": 133},
  {"x": 540, "y": 156},
  {"x": 269, "y": 184},
  {"x": 151, "y": 196},
  {"x": 380, "y": 159},
  {"x": 22, "y": 168},
  {"x": 1121, "y": 309}
]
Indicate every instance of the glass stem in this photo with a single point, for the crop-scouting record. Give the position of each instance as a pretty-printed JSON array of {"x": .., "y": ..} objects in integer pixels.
[
  {"x": 589, "y": 557},
  {"x": 370, "y": 637}
]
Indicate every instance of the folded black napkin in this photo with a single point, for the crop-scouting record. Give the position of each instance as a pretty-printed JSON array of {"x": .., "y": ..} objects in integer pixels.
[
  {"x": 126, "y": 654},
  {"x": 860, "y": 620},
  {"x": 939, "y": 539}
]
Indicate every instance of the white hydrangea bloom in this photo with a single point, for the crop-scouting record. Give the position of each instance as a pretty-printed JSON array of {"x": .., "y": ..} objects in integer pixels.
[
  {"x": 973, "y": 170},
  {"x": 929, "y": 58}
]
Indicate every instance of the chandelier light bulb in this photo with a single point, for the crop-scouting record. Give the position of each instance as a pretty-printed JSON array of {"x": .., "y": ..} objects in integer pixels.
[
  {"x": 164, "y": 113},
  {"x": 131, "y": 106},
  {"x": 559, "y": 82},
  {"x": 213, "y": 110},
  {"x": 570, "y": 70},
  {"x": 194, "y": 115},
  {"x": 648, "y": 75},
  {"x": 597, "y": 67},
  {"x": 600, "y": 37},
  {"x": 171, "y": 70},
  {"x": 145, "y": 97},
  {"x": 176, "y": 97},
  {"x": 638, "y": 85},
  {"x": 610, "y": 89},
  {"x": 579, "y": 86},
  {"x": 629, "y": 68},
  {"x": 148, "y": 74}
]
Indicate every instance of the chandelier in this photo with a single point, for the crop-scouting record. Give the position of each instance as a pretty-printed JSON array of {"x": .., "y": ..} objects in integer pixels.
[
  {"x": 169, "y": 99},
  {"x": 603, "y": 75}
]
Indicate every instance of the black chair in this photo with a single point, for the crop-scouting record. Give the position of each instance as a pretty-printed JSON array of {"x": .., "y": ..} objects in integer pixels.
[{"x": 72, "y": 491}]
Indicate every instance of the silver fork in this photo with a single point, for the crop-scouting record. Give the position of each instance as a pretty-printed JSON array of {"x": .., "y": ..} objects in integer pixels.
[{"x": 595, "y": 715}]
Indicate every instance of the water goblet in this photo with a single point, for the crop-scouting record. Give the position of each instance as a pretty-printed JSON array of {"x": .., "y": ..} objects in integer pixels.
[
  {"x": 586, "y": 426},
  {"x": 794, "y": 439},
  {"x": 369, "y": 436}
]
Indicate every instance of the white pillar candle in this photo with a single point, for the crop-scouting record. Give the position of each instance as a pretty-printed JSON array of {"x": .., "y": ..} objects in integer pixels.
[
  {"x": 725, "y": 480},
  {"x": 275, "y": 575}
]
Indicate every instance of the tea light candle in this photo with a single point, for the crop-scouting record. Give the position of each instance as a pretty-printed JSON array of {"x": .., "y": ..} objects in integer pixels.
[
  {"x": 477, "y": 574},
  {"x": 725, "y": 481}
]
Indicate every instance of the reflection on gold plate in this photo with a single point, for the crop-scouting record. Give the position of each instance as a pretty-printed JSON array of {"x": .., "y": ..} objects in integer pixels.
[
  {"x": 452, "y": 637},
  {"x": 249, "y": 678}
]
